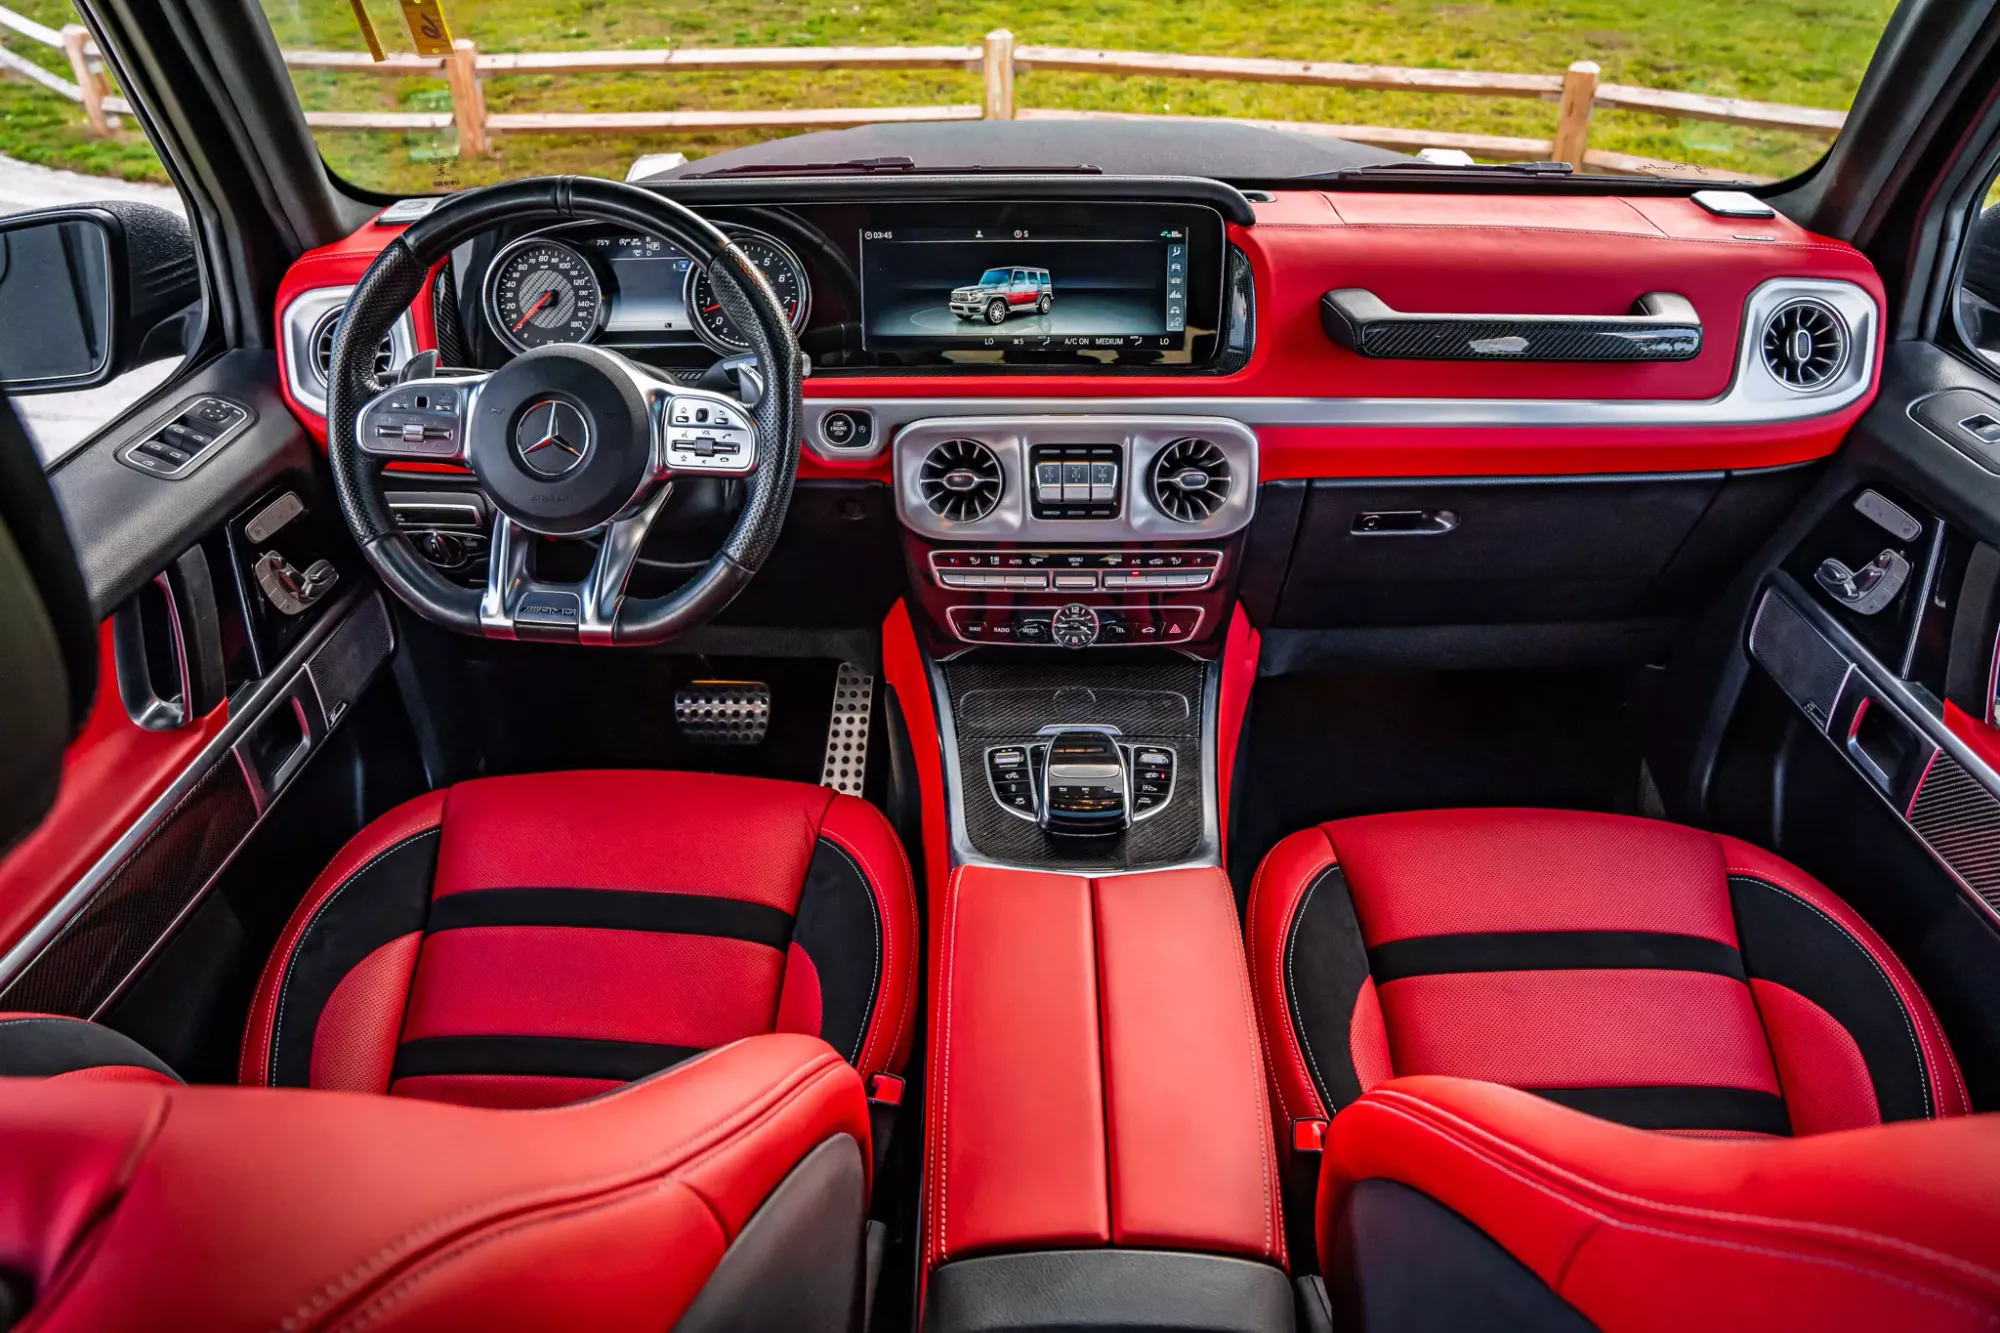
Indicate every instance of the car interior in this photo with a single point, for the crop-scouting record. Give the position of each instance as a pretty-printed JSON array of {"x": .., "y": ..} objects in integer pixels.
[{"x": 1355, "y": 743}]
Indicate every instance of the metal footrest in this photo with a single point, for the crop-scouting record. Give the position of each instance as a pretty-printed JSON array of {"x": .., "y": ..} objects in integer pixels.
[
  {"x": 846, "y": 763},
  {"x": 723, "y": 712}
]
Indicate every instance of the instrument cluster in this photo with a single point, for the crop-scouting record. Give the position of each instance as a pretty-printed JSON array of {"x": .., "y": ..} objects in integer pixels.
[{"x": 594, "y": 283}]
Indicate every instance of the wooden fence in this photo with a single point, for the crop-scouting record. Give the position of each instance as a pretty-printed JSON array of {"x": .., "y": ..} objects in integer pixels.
[{"x": 1577, "y": 92}]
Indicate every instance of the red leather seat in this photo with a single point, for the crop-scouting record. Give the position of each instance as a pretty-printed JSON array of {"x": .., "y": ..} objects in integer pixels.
[
  {"x": 726, "y": 1193},
  {"x": 528, "y": 941},
  {"x": 1647, "y": 973},
  {"x": 1449, "y": 1204}
]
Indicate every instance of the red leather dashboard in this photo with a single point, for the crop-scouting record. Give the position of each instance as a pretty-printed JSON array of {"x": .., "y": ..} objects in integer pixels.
[
  {"x": 1097, "y": 1076},
  {"x": 1489, "y": 254}
]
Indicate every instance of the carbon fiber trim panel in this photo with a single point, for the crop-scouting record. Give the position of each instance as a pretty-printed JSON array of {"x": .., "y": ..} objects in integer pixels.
[
  {"x": 1661, "y": 327},
  {"x": 1155, "y": 703},
  {"x": 86, "y": 963},
  {"x": 1959, "y": 818}
]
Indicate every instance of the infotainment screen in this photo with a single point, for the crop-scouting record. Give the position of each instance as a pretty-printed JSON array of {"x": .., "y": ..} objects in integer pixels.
[{"x": 1024, "y": 289}]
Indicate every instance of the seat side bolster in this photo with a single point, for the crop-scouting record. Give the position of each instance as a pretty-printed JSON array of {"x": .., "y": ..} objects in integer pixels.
[
  {"x": 1276, "y": 894},
  {"x": 865, "y": 836},
  {"x": 397, "y": 827},
  {"x": 1885, "y": 1227},
  {"x": 1946, "y": 1084}
]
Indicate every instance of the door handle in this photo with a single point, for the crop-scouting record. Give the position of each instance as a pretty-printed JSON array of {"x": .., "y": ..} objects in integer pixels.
[
  {"x": 1404, "y": 523},
  {"x": 1867, "y": 590}
]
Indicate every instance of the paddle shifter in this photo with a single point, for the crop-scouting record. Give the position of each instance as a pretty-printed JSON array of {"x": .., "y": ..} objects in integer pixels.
[{"x": 1083, "y": 785}]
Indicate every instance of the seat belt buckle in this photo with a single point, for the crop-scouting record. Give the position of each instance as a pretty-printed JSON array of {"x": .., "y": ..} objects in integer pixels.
[
  {"x": 885, "y": 1090},
  {"x": 1309, "y": 1136}
]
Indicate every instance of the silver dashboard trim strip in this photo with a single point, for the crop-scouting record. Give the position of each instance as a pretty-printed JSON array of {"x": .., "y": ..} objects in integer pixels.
[
  {"x": 1754, "y": 396},
  {"x": 299, "y": 320}
]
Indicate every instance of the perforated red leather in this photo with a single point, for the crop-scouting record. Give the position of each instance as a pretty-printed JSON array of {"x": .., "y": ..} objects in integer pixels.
[
  {"x": 502, "y": 985},
  {"x": 617, "y": 985},
  {"x": 1820, "y": 1068},
  {"x": 1455, "y": 871},
  {"x": 1594, "y": 1028},
  {"x": 1892, "y": 1227},
  {"x": 735, "y": 837},
  {"x": 1598, "y": 1024},
  {"x": 354, "y": 1045}
]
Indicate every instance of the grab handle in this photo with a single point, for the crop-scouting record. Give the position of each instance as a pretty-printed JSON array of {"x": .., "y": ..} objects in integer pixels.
[{"x": 1660, "y": 327}]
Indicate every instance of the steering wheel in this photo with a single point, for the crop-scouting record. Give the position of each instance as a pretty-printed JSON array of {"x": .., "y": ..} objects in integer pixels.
[{"x": 567, "y": 440}]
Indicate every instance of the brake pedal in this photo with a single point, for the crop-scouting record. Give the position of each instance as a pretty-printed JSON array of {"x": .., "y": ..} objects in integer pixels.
[
  {"x": 847, "y": 730},
  {"x": 723, "y": 712}
]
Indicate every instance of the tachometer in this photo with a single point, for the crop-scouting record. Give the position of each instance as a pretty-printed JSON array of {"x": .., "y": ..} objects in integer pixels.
[
  {"x": 540, "y": 291},
  {"x": 780, "y": 267}
]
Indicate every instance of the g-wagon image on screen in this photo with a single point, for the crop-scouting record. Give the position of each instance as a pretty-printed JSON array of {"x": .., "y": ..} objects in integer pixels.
[{"x": 976, "y": 287}]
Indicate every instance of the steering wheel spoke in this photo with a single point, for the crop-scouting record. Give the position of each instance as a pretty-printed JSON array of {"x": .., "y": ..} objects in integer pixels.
[
  {"x": 424, "y": 419},
  {"x": 517, "y": 605}
]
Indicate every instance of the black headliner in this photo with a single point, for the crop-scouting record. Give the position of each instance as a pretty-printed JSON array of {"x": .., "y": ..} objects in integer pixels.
[{"x": 1212, "y": 148}]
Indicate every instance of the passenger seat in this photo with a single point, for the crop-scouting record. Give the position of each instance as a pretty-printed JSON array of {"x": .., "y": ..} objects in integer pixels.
[{"x": 1646, "y": 973}]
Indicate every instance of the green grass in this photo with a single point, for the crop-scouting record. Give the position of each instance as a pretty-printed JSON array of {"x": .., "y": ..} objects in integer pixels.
[{"x": 1809, "y": 52}]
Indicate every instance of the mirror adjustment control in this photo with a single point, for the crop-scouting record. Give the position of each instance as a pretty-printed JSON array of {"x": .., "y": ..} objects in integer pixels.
[
  {"x": 1084, "y": 785},
  {"x": 176, "y": 446}
]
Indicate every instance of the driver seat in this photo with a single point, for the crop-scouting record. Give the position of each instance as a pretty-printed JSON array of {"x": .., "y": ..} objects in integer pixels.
[{"x": 531, "y": 941}]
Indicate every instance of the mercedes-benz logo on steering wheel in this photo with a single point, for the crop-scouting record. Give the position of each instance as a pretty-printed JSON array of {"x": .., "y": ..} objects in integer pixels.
[{"x": 553, "y": 438}]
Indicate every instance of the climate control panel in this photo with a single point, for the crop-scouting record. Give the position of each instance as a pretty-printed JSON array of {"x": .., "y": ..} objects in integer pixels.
[{"x": 1137, "y": 570}]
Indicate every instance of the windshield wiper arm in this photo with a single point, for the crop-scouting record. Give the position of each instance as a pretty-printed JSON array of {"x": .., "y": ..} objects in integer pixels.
[
  {"x": 1419, "y": 166},
  {"x": 868, "y": 166}
]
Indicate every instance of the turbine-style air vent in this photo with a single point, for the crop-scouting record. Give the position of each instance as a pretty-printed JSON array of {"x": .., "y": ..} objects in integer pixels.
[
  {"x": 960, "y": 481},
  {"x": 1190, "y": 480},
  {"x": 323, "y": 335},
  {"x": 1805, "y": 344}
]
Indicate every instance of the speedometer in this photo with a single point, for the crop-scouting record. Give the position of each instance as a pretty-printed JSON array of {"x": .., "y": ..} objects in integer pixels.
[
  {"x": 780, "y": 267},
  {"x": 540, "y": 291}
]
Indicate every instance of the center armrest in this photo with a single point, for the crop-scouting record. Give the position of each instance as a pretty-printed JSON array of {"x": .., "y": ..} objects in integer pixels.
[{"x": 1098, "y": 1076}]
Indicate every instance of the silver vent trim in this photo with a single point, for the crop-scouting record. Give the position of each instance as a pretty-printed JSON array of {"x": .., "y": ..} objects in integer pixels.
[
  {"x": 1189, "y": 480},
  {"x": 323, "y": 335},
  {"x": 1141, "y": 439},
  {"x": 1804, "y": 344},
  {"x": 312, "y": 312},
  {"x": 961, "y": 481}
]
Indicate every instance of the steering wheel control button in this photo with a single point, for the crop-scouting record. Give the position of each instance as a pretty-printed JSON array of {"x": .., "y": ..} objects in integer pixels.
[
  {"x": 1074, "y": 626},
  {"x": 182, "y": 442},
  {"x": 418, "y": 419},
  {"x": 707, "y": 435}
]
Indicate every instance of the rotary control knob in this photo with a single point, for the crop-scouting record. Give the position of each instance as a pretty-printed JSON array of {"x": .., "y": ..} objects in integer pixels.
[{"x": 1074, "y": 626}]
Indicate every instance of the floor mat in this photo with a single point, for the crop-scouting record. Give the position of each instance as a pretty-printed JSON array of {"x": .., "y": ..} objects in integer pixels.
[{"x": 1324, "y": 745}]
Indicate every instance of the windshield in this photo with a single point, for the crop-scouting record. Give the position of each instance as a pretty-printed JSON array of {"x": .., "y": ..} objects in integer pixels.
[
  {"x": 464, "y": 93},
  {"x": 993, "y": 277}
]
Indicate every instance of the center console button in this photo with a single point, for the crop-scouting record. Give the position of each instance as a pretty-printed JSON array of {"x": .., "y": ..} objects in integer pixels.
[{"x": 1076, "y": 581}]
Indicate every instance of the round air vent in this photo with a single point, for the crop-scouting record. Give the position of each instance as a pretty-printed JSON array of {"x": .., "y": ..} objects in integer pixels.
[
  {"x": 960, "y": 481},
  {"x": 1190, "y": 480},
  {"x": 323, "y": 335},
  {"x": 1805, "y": 344}
]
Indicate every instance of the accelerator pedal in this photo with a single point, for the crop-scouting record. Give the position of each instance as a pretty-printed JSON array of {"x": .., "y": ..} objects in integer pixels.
[
  {"x": 847, "y": 730},
  {"x": 723, "y": 712}
]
